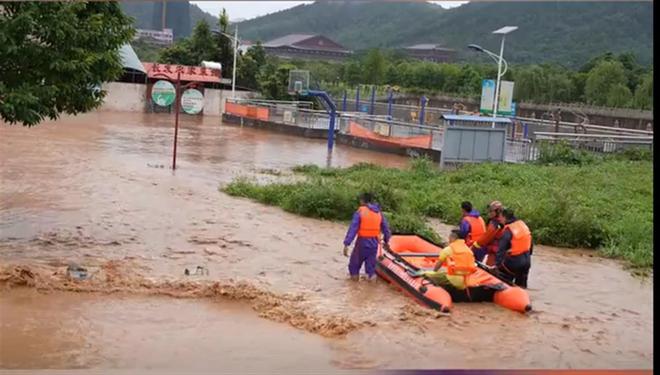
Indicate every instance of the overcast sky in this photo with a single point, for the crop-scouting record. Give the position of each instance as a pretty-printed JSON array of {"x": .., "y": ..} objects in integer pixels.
[{"x": 251, "y": 9}]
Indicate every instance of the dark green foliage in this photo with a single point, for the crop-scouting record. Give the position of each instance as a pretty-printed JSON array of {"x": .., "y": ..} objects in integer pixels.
[
  {"x": 556, "y": 38},
  {"x": 569, "y": 33},
  {"x": 604, "y": 81},
  {"x": 249, "y": 66},
  {"x": 55, "y": 55},
  {"x": 563, "y": 153},
  {"x": 201, "y": 46}
]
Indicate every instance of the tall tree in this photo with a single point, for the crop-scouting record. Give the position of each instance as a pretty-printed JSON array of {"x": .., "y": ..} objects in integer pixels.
[
  {"x": 273, "y": 80},
  {"x": 618, "y": 96},
  {"x": 644, "y": 93},
  {"x": 55, "y": 55},
  {"x": 199, "y": 47},
  {"x": 249, "y": 66},
  {"x": 374, "y": 67},
  {"x": 226, "y": 45},
  {"x": 601, "y": 79}
]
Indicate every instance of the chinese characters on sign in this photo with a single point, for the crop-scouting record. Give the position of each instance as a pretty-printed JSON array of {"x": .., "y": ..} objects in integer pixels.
[{"x": 184, "y": 69}]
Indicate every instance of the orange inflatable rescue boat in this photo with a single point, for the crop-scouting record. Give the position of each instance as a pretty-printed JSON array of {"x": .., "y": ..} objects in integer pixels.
[{"x": 412, "y": 253}]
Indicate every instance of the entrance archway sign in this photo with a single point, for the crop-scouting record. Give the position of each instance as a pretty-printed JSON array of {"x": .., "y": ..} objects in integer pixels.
[
  {"x": 192, "y": 101},
  {"x": 163, "y": 93}
]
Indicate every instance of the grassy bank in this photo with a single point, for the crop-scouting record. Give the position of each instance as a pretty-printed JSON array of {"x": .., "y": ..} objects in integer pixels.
[{"x": 579, "y": 201}]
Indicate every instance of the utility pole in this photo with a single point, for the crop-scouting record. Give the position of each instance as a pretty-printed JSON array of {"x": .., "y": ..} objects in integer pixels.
[
  {"x": 163, "y": 16},
  {"x": 233, "y": 70}
]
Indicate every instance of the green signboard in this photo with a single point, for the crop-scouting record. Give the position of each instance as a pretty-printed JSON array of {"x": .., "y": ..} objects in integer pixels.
[
  {"x": 163, "y": 93},
  {"x": 505, "y": 103},
  {"x": 192, "y": 101}
]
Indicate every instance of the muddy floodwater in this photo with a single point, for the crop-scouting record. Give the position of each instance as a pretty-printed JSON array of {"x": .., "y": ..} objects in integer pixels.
[{"x": 98, "y": 190}]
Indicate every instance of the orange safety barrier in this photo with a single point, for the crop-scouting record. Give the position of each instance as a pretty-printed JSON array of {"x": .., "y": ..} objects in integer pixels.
[
  {"x": 262, "y": 113},
  {"x": 252, "y": 112},
  {"x": 259, "y": 113},
  {"x": 420, "y": 141},
  {"x": 236, "y": 109}
]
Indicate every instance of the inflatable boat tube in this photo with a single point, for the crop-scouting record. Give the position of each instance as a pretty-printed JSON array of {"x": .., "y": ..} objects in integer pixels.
[{"x": 411, "y": 253}]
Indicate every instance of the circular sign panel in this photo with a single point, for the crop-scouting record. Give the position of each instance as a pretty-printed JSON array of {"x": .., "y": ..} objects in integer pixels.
[
  {"x": 163, "y": 93},
  {"x": 192, "y": 101}
]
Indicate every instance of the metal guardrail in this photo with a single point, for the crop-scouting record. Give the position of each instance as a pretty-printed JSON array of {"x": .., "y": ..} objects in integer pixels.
[
  {"x": 378, "y": 127},
  {"x": 596, "y": 138},
  {"x": 599, "y": 143},
  {"x": 583, "y": 128}
]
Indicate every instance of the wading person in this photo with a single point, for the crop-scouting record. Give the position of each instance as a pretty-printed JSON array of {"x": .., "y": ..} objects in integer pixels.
[
  {"x": 459, "y": 261},
  {"x": 368, "y": 223},
  {"x": 494, "y": 228},
  {"x": 471, "y": 228},
  {"x": 513, "y": 259}
]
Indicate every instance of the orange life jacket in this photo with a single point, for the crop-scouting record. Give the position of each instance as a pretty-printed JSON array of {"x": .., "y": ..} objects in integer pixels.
[
  {"x": 521, "y": 240},
  {"x": 369, "y": 222},
  {"x": 461, "y": 261},
  {"x": 491, "y": 238},
  {"x": 477, "y": 229}
]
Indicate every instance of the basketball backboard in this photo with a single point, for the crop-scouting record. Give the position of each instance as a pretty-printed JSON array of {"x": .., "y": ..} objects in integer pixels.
[{"x": 298, "y": 82}]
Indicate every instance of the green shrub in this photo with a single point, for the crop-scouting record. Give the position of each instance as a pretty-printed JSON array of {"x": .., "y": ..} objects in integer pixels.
[
  {"x": 563, "y": 153},
  {"x": 604, "y": 204}
]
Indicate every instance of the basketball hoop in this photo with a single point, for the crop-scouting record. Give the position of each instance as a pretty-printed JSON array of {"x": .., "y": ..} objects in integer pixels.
[{"x": 298, "y": 82}]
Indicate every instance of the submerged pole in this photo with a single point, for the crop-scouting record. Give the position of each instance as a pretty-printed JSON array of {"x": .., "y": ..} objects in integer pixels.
[{"x": 177, "y": 98}]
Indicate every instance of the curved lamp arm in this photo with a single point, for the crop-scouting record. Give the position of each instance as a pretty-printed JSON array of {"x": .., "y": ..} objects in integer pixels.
[
  {"x": 497, "y": 60},
  {"x": 492, "y": 55}
]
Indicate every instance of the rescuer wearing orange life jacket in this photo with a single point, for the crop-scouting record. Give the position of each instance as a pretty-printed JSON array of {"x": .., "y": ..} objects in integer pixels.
[
  {"x": 471, "y": 228},
  {"x": 494, "y": 230},
  {"x": 368, "y": 223},
  {"x": 458, "y": 260},
  {"x": 514, "y": 255}
]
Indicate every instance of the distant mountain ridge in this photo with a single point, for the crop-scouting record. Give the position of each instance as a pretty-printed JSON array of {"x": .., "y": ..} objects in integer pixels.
[{"x": 568, "y": 33}]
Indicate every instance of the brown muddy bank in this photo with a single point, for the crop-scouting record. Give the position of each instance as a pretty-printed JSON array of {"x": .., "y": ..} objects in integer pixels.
[{"x": 91, "y": 190}]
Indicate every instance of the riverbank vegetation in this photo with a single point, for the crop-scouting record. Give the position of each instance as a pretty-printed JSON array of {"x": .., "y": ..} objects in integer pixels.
[{"x": 569, "y": 198}]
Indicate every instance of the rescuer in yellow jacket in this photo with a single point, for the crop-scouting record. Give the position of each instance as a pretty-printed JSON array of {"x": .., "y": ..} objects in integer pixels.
[{"x": 458, "y": 261}]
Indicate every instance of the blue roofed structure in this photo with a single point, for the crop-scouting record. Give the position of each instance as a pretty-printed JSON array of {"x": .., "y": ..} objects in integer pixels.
[{"x": 465, "y": 119}]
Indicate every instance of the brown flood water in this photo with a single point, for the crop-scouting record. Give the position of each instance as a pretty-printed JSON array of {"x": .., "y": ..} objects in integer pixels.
[{"x": 90, "y": 189}]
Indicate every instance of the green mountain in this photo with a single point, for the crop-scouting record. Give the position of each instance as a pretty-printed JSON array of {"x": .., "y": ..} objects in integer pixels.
[{"x": 569, "y": 33}]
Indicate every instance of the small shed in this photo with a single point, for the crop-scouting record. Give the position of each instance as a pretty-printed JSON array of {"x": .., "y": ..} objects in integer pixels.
[
  {"x": 514, "y": 128},
  {"x": 474, "y": 120}
]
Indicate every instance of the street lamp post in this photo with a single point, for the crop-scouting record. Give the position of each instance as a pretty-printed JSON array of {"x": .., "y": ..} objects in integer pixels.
[
  {"x": 233, "y": 70},
  {"x": 499, "y": 59},
  {"x": 233, "y": 38}
]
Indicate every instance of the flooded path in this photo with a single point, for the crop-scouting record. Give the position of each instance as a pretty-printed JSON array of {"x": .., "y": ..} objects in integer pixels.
[{"x": 91, "y": 190}]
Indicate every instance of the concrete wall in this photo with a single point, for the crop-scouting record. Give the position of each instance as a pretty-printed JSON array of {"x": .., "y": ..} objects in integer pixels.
[
  {"x": 131, "y": 97},
  {"x": 212, "y": 102},
  {"x": 124, "y": 97}
]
